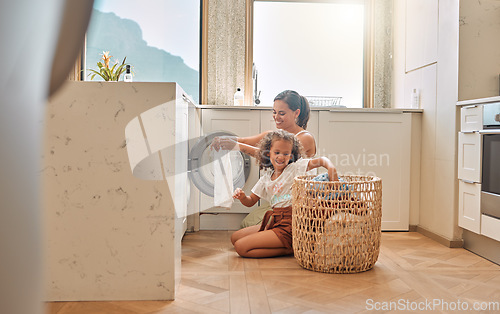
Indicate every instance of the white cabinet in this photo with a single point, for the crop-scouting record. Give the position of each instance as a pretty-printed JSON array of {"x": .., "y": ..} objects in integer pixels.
[
  {"x": 469, "y": 215},
  {"x": 421, "y": 33},
  {"x": 469, "y": 156},
  {"x": 242, "y": 122},
  {"x": 471, "y": 118},
  {"x": 371, "y": 143},
  {"x": 376, "y": 144},
  {"x": 490, "y": 227},
  {"x": 469, "y": 168}
]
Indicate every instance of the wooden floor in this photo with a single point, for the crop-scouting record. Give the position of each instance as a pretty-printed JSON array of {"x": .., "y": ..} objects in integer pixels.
[{"x": 411, "y": 270}]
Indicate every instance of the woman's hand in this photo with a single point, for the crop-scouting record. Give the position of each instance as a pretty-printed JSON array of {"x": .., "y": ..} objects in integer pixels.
[
  {"x": 225, "y": 142},
  {"x": 215, "y": 143}
]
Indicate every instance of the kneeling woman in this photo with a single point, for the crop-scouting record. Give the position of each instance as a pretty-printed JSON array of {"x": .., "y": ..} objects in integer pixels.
[{"x": 280, "y": 155}]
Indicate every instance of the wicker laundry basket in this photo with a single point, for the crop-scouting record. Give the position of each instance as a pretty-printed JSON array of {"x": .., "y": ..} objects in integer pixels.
[{"x": 336, "y": 226}]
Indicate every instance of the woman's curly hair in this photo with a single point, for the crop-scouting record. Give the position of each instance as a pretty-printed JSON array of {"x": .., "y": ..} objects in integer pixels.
[{"x": 265, "y": 147}]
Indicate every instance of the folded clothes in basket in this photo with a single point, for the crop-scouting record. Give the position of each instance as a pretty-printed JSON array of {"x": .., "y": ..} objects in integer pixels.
[{"x": 330, "y": 195}]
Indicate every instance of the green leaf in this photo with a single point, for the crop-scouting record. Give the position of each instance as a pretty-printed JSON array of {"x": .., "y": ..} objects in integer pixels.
[
  {"x": 109, "y": 74},
  {"x": 94, "y": 74},
  {"x": 113, "y": 67}
]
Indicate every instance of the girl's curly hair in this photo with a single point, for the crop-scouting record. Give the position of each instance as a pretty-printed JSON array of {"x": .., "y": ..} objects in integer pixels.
[{"x": 265, "y": 147}]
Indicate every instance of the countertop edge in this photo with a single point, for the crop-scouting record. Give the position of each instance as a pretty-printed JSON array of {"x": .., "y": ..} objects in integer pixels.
[
  {"x": 333, "y": 109},
  {"x": 478, "y": 101}
]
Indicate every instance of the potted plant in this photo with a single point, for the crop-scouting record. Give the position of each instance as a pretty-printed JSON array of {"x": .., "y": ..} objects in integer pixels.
[{"x": 107, "y": 73}]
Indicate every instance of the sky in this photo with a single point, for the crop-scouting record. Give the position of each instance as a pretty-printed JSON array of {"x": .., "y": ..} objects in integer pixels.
[{"x": 171, "y": 25}]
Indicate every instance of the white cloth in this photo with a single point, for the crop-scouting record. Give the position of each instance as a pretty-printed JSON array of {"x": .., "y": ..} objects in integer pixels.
[
  {"x": 278, "y": 191},
  {"x": 223, "y": 178}
]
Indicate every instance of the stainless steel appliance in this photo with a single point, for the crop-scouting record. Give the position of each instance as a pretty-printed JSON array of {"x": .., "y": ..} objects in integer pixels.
[{"x": 490, "y": 173}]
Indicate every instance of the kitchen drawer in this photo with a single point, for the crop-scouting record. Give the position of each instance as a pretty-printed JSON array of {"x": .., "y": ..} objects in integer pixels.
[
  {"x": 469, "y": 156},
  {"x": 471, "y": 118},
  {"x": 490, "y": 227},
  {"x": 469, "y": 206}
]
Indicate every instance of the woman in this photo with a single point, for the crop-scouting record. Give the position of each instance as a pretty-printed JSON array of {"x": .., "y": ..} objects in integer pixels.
[{"x": 290, "y": 113}]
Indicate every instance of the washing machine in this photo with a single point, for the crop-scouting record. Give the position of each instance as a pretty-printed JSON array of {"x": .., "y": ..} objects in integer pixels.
[{"x": 219, "y": 122}]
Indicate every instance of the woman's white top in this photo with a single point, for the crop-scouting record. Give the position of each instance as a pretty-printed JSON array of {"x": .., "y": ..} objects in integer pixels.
[
  {"x": 314, "y": 171},
  {"x": 278, "y": 192},
  {"x": 300, "y": 132}
]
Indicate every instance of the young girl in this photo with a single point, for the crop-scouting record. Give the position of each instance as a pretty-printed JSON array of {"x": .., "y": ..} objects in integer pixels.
[{"x": 280, "y": 155}]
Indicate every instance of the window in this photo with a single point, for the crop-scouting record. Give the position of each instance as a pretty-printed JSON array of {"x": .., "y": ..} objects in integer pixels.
[
  {"x": 317, "y": 48},
  {"x": 159, "y": 38}
]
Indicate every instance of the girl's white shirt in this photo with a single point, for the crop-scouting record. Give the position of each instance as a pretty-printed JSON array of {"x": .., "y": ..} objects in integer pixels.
[{"x": 278, "y": 192}]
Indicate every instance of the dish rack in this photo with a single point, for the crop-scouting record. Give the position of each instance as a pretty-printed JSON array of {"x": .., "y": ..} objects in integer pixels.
[{"x": 323, "y": 101}]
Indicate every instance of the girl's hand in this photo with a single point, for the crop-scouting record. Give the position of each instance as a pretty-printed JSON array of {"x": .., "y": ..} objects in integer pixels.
[
  {"x": 239, "y": 194},
  {"x": 332, "y": 174}
]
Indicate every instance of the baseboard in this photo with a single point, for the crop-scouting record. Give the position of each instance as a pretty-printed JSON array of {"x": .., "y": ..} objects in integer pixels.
[
  {"x": 438, "y": 238},
  {"x": 221, "y": 221},
  {"x": 482, "y": 246},
  {"x": 412, "y": 228}
]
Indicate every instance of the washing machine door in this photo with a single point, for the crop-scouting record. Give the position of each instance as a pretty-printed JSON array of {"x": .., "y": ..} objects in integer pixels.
[{"x": 201, "y": 168}]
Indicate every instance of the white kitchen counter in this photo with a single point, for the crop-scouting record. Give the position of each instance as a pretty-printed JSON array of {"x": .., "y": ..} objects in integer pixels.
[
  {"x": 379, "y": 142},
  {"x": 478, "y": 101},
  {"x": 334, "y": 109},
  {"x": 111, "y": 235}
]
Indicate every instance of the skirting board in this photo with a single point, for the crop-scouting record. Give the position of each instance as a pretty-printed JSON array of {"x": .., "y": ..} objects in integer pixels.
[
  {"x": 438, "y": 238},
  {"x": 482, "y": 246},
  {"x": 221, "y": 221}
]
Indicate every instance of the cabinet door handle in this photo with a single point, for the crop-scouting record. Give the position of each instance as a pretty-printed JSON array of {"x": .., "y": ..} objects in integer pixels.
[
  {"x": 468, "y": 132},
  {"x": 187, "y": 99},
  {"x": 467, "y": 181},
  {"x": 494, "y": 131},
  {"x": 470, "y": 106}
]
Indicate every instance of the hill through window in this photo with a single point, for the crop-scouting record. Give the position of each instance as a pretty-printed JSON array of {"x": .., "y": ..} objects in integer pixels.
[{"x": 159, "y": 38}]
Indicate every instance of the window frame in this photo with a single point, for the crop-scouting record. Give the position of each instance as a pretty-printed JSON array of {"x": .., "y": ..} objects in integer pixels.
[
  {"x": 204, "y": 52},
  {"x": 80, "y": 68},
  {"x": 368, "y": 51}
]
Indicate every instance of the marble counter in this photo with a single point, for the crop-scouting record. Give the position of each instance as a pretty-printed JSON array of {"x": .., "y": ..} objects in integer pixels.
[{"x": 109, "y": 235}]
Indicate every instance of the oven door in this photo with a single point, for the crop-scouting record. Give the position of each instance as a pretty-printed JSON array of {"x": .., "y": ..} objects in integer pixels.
[{"x": 490, "y": 174}]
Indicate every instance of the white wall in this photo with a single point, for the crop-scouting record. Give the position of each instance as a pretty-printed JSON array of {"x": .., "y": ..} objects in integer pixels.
[
  {"x": 426, "y": 58},
  {"x": 479, "y": 59}
]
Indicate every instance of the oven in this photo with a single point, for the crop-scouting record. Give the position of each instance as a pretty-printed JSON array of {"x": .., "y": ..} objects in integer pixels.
[{"x": 490, "y": 173}]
